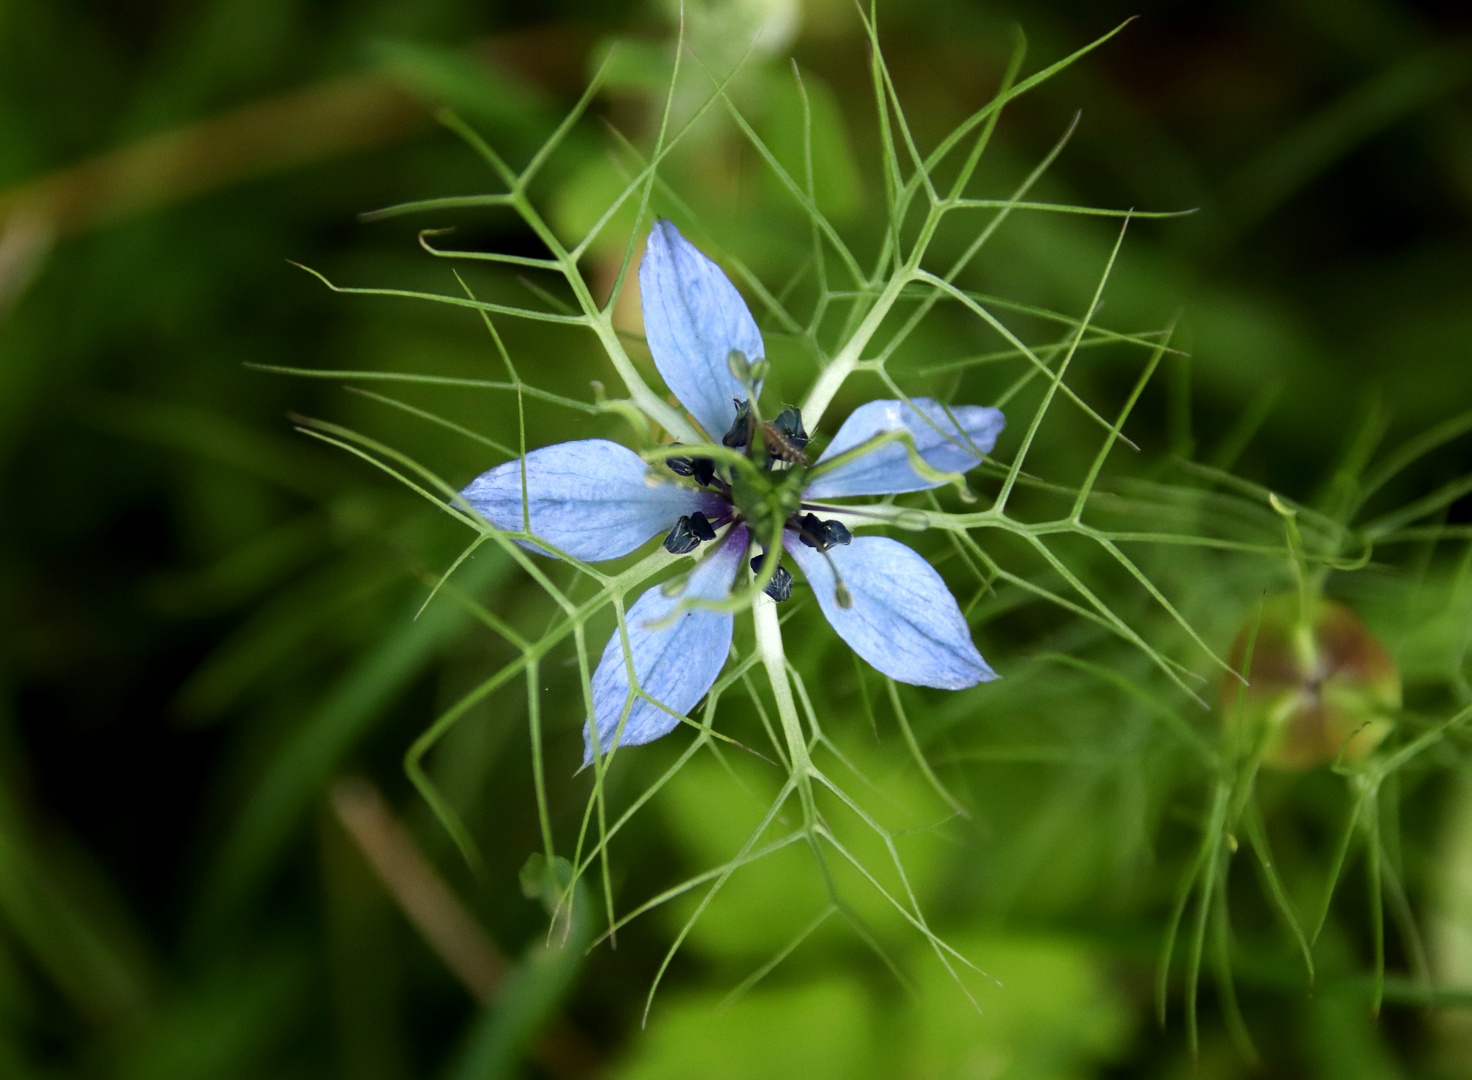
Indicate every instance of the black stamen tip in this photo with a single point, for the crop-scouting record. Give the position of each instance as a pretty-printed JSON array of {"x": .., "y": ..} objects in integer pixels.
[
  {"x": 680, "y": 466},
  {"x": 810, "y": 531},
  {"x": 780, "y": 587},
  {"x": 822, "y": 535},
  {"x": 704, "y": 471},
  {"x": 740, "y": 433},
  {"x": 682, "y": 539},
  {"x": 700, "y": 525}
]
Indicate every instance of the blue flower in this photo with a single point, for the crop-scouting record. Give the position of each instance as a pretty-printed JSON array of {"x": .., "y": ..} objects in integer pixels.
[{"x": 594, "y": 500}]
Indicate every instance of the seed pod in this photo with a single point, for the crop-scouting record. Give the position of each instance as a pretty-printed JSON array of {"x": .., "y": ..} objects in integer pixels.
[{"x": 1321, "y": 688}]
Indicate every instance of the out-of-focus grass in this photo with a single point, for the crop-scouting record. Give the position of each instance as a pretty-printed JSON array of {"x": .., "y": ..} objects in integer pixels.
[{"x": 211, "y": 619}]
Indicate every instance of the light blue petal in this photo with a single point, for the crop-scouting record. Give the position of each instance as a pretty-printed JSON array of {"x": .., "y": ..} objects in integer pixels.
[
  {"x": 903, "y": 619},
  {"x": 693, "y": 318},
  {"x": 593, "y": 499},
  {"x": 676, "y": 662},
  {"x": 887, "y": 470}
]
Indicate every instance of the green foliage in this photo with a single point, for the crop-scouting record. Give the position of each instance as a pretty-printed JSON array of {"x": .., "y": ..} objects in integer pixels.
[
  {"x": 822, "y": 1030},
  {"x": 1050, "y": 1016},
  {"x": 213, "y": 618}
]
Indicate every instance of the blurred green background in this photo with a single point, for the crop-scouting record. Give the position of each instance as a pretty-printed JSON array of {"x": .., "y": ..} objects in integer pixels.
[{"x": 210, "y": 666}]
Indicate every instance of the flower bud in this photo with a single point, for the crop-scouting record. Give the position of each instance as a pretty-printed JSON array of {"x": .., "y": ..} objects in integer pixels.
[
  {"x": 1321, "y": 687},
  {"x": 739, "y": 365}
]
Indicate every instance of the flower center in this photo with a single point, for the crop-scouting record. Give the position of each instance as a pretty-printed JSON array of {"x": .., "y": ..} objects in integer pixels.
[{"x": 767, "y": 498}]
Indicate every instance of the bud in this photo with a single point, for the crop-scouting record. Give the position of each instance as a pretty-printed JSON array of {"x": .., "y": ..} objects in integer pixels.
[
  {"x": 739, "y": 365},
  {"x": 1321, "y": 687}
]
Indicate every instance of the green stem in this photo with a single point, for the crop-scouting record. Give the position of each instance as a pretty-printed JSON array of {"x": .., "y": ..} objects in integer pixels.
[
  {"x": 601, "y": 323},
  {"x": 843, "y": 365},
  {"x": 646, "y": 399},
  {"x": 774, "y": 659}
]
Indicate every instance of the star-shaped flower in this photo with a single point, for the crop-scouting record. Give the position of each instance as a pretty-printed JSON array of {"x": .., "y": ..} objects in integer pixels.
[{"x": 594, "y": 500}]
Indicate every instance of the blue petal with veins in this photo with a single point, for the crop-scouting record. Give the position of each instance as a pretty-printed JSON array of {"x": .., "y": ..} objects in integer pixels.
[
  {"x": 675, "y": 660},
  {"x": 950, "y": 438},
  {"x": 592, "y": 499},
  {"x": 693, "y": 318},
  {"x": 902, "y": 619}
]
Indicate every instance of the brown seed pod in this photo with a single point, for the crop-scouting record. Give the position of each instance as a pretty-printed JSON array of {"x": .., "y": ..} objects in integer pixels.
[{"x": 1322, "y": 687}]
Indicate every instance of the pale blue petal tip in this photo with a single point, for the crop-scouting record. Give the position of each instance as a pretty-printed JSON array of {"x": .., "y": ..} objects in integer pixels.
[
  {"x": 676, "y": 661},
  {"x": 902, "y": 619},
  {"x": 592, "y": 499},
  {"x": 693, "y": 319},
  {"x": 949, "y": 438}
]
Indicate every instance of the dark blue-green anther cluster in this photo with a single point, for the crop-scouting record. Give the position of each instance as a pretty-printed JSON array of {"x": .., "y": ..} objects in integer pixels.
[{"x": 760, "y": 498}]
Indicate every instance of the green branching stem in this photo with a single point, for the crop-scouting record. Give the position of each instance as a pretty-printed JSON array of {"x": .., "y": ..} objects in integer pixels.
[{"x": 867, "y": 322}]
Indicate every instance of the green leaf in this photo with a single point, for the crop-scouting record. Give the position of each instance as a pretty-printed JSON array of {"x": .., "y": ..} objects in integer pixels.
[{"x": 814, "y": 1031}]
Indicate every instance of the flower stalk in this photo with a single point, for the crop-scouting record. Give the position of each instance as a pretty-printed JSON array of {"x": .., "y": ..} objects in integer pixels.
[{"x": 774, "y": 659}]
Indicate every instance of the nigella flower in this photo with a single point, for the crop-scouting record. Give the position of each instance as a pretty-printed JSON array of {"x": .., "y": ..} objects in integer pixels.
[{"x": 593, "y": 500}]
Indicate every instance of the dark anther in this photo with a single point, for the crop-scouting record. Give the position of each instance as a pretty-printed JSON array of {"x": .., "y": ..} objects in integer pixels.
[
  {"x": 822, "y": 534},
  {"x": 704, "y": 471},
  {"x": 836, "y": 533},
  {"x": 700, "y": 525},
  {"x": 683, "y": 539},
  {"x": 688, "y": 532},
  {"x": 780, "y": 587},
  {"x": 785, "y": 437},
  {"x": 810, "y": 531},
  {"x": 740, "y": 433}
]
